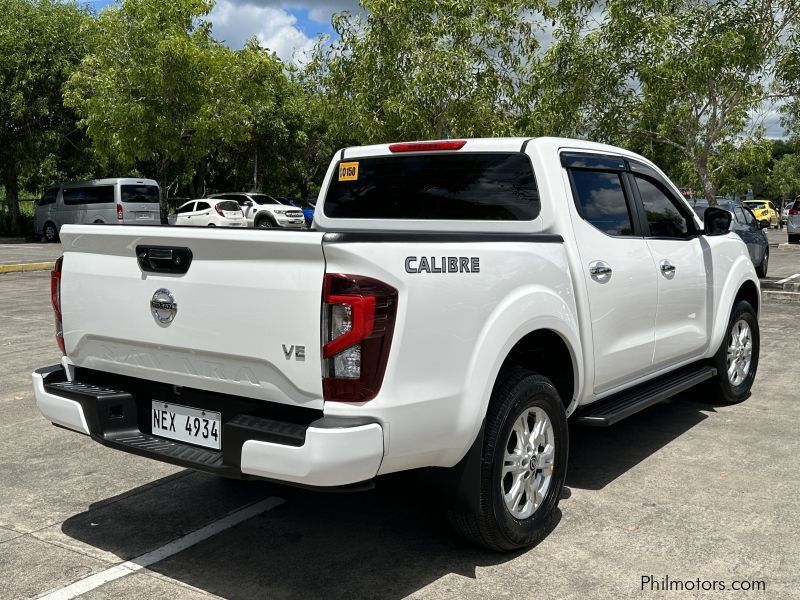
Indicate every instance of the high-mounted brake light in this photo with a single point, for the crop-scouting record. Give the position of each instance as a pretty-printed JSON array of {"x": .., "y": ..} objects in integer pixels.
[
  {"x": 55, "y": 299},
  {"x": 427, "y": 146},
  {"x": 358, "y": 315},
  {"x": 119, "y": 212}
]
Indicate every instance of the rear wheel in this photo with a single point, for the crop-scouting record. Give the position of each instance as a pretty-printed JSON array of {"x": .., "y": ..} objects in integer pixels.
[
  {"x": 794, "y": 239},
  {"x": 761, "y": 270},
  {"x": 50, "y": 232},
  {"x": 523, "y": 465},
  {"x": 737, "y": 357}
]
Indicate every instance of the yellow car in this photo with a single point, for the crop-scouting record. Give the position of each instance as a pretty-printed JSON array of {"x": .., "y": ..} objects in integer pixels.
[{"x": 764, "y": 210}]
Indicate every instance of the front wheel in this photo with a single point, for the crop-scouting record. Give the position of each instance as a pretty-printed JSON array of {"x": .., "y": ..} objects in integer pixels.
[
  {"x": 737, "y": 358},
  {"x": 264, "y": 223},
  {"x": 523, "y": 465},
  {"x": 50, "y": 232}
]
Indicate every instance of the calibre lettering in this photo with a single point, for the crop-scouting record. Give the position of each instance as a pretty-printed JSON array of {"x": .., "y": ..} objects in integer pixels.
[{"x": 441, "y": 264}]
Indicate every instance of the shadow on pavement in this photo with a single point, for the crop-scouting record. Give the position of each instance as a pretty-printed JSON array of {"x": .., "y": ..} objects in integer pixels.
[
  {"x": 598, "y": 455},
  {"x": 386, "y": 543}
]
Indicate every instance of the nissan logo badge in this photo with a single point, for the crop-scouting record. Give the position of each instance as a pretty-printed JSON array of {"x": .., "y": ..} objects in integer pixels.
[{"x": 163, "y": 306}]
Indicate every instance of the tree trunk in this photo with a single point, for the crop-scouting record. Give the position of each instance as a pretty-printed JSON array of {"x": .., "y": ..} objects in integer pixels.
[
  {"x": 11, "y": 181},
  {"x": 705, "y": 180},
  {"x": 198, "y": 184}
]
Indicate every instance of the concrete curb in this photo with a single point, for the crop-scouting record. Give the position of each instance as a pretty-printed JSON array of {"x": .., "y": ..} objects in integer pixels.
[
  {"x": 780, "y": 297},
  {"x": 25, "y": 267}
]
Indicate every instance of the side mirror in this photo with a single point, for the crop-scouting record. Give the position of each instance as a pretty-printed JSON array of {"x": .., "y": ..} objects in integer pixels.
[
  {"x": 717, "y": 221},
  {"x": 248, "y": 203}
]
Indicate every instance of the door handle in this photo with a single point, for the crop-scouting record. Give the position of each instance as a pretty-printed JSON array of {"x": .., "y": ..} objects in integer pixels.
[
  {"x": 667, "y": 268},
  {"x": 599, "y": 269}
]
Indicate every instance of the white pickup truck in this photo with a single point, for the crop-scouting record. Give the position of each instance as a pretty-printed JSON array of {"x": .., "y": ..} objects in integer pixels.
[{"x": 456, "y": 303}]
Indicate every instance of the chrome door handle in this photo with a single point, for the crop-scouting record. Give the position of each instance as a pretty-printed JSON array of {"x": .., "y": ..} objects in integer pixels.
[
  {"x": 600, "y": 270},
  {"x": 667, "y": 267}
]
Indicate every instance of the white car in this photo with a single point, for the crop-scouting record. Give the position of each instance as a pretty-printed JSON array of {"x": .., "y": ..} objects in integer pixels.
[
  {"x": 455, "y": 304},
  {"x": 208, "y": 212},
  {"x": 265, "y": 212}
]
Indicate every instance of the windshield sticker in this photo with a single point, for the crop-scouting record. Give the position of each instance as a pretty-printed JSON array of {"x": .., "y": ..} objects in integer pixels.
[{"x": 348, "y": 171}]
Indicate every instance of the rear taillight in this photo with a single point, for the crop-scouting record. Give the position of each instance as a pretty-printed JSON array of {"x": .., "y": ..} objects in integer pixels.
[
  {"x": 794, "y": 211},
  {"x": 55, "y": 298},
  {"x": 219, "y": 210},
  {"x": 119, "y": 212},
  {"x": 358, "y": 315}
]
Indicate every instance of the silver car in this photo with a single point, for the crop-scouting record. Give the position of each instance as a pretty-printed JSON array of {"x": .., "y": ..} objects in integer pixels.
[
  {"x": 793, "y": 223},
  {"x": 123, "y": 201}
]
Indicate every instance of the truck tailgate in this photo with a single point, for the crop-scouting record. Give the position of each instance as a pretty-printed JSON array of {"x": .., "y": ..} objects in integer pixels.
[{"x": 247, "y": 320}]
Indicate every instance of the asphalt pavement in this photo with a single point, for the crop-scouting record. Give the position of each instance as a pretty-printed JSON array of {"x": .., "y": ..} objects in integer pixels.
[{"x": 685, "y": 490}]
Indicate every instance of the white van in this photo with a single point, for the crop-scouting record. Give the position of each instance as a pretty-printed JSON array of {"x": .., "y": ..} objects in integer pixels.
[{"x": 124, "y": 201}]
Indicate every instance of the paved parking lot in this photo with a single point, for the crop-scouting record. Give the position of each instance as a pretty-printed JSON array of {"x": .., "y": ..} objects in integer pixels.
[{"x": 686, "y": 490}]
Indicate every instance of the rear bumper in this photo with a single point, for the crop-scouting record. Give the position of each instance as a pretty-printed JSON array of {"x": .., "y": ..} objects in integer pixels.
[{"x": 326, "y": 452}]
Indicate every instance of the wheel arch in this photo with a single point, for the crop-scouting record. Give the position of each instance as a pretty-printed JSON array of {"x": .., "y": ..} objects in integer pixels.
[
  {"x": 741, "y": 284},
  {"x": 264, "y": 214}
]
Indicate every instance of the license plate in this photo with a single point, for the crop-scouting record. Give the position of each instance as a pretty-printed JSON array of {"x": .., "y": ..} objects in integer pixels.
[
  {"x": 186, "y": 424},
  {"x": 143, "y": 215}
]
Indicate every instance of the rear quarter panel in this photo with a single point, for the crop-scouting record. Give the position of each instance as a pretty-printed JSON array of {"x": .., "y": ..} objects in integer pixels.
[{"x": 452, "y": 333}]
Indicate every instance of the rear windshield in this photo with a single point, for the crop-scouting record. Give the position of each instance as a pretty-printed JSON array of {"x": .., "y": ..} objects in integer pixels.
[
  {"x": 229, "y": 205},
  {"x": 469, "y": 186},
  {"x": 756, "y": 205},
  {"x": 140, "y": 193}
]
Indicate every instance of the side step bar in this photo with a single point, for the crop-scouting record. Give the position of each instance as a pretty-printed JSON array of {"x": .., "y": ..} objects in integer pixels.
[{"x": 609, "y": 410}]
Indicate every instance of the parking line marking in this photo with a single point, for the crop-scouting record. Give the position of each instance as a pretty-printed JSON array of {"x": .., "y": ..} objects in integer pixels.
[
  {"x": 795, "y": 276},
  {"x": 180, "y": 544}
]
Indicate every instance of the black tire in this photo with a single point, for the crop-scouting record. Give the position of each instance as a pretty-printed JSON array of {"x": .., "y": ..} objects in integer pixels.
[
  {"x": 264, "y": 223},
  {"x": 212, "y": 225},
  {"x": 761, "y": 270},
  {"x": 721, "y": 387},
  {"x": 491, "y": 524},
  {"x": 794, "y": 239},
  {"x": 50, "y": 232}
]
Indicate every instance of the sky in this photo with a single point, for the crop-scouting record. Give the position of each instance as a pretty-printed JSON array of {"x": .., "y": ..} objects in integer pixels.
[{"x": 290, "y": 28}]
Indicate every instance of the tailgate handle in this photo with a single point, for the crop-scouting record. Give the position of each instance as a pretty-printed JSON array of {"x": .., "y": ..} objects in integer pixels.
[{"x": 164, "y": 259}]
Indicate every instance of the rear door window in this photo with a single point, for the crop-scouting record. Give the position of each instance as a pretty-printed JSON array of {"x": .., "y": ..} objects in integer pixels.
[
  {"x": 202, "y": 206},
  {"x": 601, "y": 201},
  {"x": 98, "y": 194},
  {"x": 49, "y": 197},
  {"x": 140, "y": 193},
  {"x": 460, "y": 187}
]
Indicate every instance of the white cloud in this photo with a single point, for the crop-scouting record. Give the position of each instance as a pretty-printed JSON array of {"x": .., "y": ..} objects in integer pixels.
[
  {"x": 318, "y": 10},
  {"x": 275, "y": 28}
]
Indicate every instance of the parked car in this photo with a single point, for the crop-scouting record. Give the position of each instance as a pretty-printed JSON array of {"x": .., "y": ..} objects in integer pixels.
[
  {"x": 746, "y": 226},
  {"x": 264, "y": 211},
  {"x": 209, "y": 212},
  {"x": 122, "y": 201},
  {"x": 764, "y": 210},
  {"x": 793, "y": 224},
  {"x": 787, "y": 205},
  {"x": 446, "y": 315},
  {"x": 306, "y": 207}
]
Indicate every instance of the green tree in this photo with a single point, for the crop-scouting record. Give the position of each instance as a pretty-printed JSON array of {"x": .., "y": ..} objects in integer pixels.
[
  {"x": 784, "y": 178},
  {"x": 157, "y": 89},
  {"x": 422, "y": 69},
  {"x": 685, "y": 74},
  {"x": 40, "y": 44}
]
